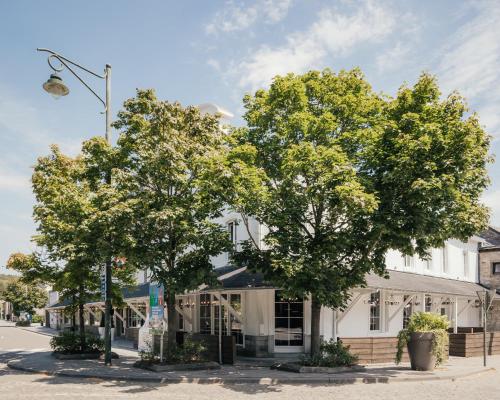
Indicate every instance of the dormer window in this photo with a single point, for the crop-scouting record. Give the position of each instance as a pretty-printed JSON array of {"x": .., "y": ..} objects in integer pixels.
[
  {"x": 408, "y": 261},
  {"x": 231, "y": 229}
]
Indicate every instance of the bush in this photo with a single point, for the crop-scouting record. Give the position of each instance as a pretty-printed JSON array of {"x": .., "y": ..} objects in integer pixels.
[
  {"x": 331, "y": 354},
  {"x": 189, "y": 352},
  {"x": 23, "y": 322},
  {"x": 70, "y": 343},
  {"x": 37, "y": 319},
  {"x": 426, "y": 322}
]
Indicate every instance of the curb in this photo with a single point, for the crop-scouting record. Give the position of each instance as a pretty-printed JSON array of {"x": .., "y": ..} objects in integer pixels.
[
  {"x": 38, "y": 333},
  {"x": 242, "y": 380}
]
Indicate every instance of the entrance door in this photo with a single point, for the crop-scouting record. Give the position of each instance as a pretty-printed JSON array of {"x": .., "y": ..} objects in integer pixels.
[{"x": 288, "y": 323}]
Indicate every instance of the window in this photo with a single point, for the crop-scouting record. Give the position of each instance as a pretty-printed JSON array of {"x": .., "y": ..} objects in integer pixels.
[
  {"x": 444, "y": 259},
  {"x": 180, "y": 316},
  {"x": 428, "y": 303},
  {"x": 205, "y": 314},
  {"x": 235, "y": 327},
  {"x": 231, "y": 228},
  {"x": 288, "y": 321},
  {"x": 496, "y": 267},
  {"x": 408, "y": 261},
  {"x": 466, "y": 263},
  {"x": 134, "y": 320},
  {"x": 407, "y": 311},
  {"x": 375, "y": 311}
]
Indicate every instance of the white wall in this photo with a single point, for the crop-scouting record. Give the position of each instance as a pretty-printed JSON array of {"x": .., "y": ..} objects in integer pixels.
[{"x": 454, "y": 251}]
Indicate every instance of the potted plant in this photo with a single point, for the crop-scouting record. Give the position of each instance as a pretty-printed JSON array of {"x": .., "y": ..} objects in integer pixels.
[{"x": 427, "y": 340}]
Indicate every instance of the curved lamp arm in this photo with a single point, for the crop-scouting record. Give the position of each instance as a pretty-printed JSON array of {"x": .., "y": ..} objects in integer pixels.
[{"x": 65, "y": 63}]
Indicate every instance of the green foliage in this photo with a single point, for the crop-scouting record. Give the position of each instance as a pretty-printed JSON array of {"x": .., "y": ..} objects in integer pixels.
[
  {"x": 24, "y": 322},
  {"x": 168, "y": 180},
  {"x": 191, "y": 351},
  {"x": 340, "y": 175},
  {"x": 332, "y": 354},
  {"x": 426, "y": 322},
  {"x": 25, "y": 298},
  {"x": 4, "y": 281},
  {"x": 36, "y": 319},
  {"x": 71, "y": 343}
]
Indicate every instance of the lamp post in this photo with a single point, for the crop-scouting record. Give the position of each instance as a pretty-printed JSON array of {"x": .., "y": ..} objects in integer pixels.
[{"x": 57, "y": 88}]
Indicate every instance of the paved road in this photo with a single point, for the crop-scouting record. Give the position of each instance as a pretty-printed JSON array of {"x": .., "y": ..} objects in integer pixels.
[{"x": 17, "y": 385}]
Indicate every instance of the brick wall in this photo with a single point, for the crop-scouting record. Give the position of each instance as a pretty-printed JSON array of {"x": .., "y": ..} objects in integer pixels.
[{"x": 486, "y": 259}]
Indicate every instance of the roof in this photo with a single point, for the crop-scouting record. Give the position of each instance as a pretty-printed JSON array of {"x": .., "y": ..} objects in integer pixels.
[
  {"x": 136, "y": 291},
  {"x": 491, "y": 235},
  {"x": 410, "y": 282}
]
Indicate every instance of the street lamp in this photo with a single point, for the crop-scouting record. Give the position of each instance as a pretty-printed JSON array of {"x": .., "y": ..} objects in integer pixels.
[{"x": 57, "y": 88}]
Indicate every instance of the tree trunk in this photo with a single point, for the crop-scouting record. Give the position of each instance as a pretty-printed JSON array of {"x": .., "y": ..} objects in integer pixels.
[
  {"x": 172, "y": 320},
  {"x": 73, "y": 315},
  {"x": 315, "y": 324},
  {"x": 81, "y": 319}
]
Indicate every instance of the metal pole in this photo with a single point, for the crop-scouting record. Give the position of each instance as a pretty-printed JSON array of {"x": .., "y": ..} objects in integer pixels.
[
  {"x": 484, "y": 328},
  {"x": 107, "y": 314},
  {"x": 220, "y": 329}
]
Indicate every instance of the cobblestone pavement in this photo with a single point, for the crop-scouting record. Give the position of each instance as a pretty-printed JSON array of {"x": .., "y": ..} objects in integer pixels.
[{"x": 19, "y": 385}]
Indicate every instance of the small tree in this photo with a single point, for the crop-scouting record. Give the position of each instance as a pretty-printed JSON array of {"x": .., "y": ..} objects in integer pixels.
[
  {"x": 24, "y": 298},
  {"x": 78, "y": 217},
  {"x": 340, "y": 175},
  {"x": 166, "y": 176}
]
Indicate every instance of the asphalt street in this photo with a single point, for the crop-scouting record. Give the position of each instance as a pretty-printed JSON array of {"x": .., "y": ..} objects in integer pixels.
[{"x": 18, "y": 385}]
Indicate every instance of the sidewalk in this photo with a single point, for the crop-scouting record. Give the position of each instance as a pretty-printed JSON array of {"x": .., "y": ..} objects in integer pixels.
[
  {"x": 122, "y": 347},
  {"x": 123, "y": 370}
]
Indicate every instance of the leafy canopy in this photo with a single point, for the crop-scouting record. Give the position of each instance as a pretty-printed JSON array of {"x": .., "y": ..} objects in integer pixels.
[
  {"x": 340, "y": 174},
  {"x": 166, "y": 177}
]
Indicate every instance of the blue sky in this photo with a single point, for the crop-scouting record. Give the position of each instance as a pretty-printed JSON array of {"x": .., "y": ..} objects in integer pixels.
[{"x": 215, "y": 51}]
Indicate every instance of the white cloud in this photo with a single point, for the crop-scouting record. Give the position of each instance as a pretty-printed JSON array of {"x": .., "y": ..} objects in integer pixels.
[
  {"x": 214, "y": 64},
  {"x": 334, "y": 33},
  {"x": 492, "y": 200},
  {"x": 240, "y": 17},
  {"x": 470, "y": 61},
  {"x": 394, "y": 58},
  {"x": 10, "y": 181}
]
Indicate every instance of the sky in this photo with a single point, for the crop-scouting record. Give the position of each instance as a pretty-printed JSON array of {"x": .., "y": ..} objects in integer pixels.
[{"x": 216, "y": 51}]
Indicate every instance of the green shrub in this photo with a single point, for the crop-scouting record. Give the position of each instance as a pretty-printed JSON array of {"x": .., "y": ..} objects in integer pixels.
[
  {"x": 70, "y": 343},
  {"x": 426, "y": 322},
  {"x": 23, "y": 322},
  {"x": 331, "y": 354},
  {"x": 189, "y": 352},
  {"x": 37, "y": 319}
]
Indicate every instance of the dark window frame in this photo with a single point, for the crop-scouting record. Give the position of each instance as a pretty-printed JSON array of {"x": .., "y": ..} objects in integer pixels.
[{"x": 494, "y": 266}]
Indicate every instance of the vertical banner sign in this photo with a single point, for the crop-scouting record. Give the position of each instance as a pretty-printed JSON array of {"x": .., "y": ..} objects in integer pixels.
[
  {"x": 103, "y": 283},
  {"x": 156, "y": 303}
]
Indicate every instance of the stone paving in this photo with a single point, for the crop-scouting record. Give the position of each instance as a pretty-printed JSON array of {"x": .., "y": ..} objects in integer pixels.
[{"x": 15, "y": 384}]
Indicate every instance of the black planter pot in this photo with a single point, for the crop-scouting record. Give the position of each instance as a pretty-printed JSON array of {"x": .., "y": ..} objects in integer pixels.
[{"x": 420, "y": 351}]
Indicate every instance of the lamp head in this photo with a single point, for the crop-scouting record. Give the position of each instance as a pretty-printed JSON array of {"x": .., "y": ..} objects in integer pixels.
[{"x": 55, "y": 86}]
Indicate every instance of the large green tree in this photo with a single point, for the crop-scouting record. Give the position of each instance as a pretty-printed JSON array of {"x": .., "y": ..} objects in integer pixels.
[
  {"x": 165, "y": 173},
  {"x": 24, "y": 298},
  {"x": 340, "y": 175}
]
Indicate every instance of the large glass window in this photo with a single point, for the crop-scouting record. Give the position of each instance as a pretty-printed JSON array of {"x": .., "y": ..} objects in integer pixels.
[
  {"x": 134, "y": 320},
  {"x": 428, "y": 303},
  {"x": 407, "y": 311},
  {"x": 375, "y": 311},
  {"x": 179, "y": 315},
  {"x": 288, "y": 321},
  {"x": 205, "y": 314},
  {"x": 235, "y": 327}
]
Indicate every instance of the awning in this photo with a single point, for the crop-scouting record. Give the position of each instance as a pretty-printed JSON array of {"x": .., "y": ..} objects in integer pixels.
[{"x": 416, "y": 283}]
